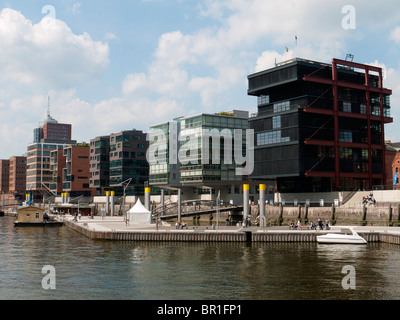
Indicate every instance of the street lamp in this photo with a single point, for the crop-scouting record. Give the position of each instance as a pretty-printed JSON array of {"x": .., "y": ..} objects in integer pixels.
[
  {"x": 53, "y": 195},
  {"x": 125, "y": 185},
  {"x": 77, "y": 198},
  {"x": 218, "y": 199}
]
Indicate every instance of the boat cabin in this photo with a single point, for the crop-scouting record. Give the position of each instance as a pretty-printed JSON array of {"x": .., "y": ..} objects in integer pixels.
[{"x": 31, "y": 215}]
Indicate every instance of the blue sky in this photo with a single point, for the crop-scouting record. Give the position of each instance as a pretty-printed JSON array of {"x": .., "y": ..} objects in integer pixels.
[{"x": 116, "y": 65}]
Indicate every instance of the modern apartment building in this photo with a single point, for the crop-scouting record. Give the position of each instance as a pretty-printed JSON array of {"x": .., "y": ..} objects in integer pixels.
[
  {"x": 12, "y": 179},
  {"x": 100, "y": 164},
  {"x": 17, "y": 176},
  {"x": 4, "y": 176},
  {"x": 38, "y": 171},
  {"x": 70, "y": 169},
  {"x": 128, "y": 160},
  {"x": 57, "y": 165},
  {"x": 118, "y": 158},
  {"x": 320, "y": 127},
  {"x": 76, "y": 172}
]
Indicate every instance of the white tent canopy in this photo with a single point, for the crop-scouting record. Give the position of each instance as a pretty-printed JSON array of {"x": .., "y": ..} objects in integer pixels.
[{"x": 139, "y": 214}]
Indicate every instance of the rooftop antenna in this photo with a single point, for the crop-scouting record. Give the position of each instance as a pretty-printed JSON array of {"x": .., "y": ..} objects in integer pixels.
[
  {"x": 48, "y": 106},
  {"x": 349, "y": 57}
]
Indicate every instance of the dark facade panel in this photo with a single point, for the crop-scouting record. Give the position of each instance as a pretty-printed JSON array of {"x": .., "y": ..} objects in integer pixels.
[{"x": 333, "y": 115}]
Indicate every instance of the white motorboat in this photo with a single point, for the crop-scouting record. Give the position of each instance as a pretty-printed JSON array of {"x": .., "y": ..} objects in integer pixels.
[{"x": 339, "y": 238}]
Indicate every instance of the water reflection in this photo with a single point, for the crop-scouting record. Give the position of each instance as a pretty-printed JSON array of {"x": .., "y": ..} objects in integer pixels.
[{"x": 88, "y": 269}]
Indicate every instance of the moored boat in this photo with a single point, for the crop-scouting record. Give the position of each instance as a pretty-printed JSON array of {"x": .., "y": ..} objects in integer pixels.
[
  {"x": 338, "y": 238},
  {"x": 30, "y": 216}
]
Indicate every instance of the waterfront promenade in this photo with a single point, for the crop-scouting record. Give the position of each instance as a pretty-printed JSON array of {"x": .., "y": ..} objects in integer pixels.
[{"x": 115, "y": 228}]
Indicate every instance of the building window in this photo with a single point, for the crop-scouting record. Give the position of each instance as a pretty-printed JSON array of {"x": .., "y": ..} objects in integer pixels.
[
  {"x": 271, "y": 137},
  {"x": 346, "y": 153},
  {"x": 345, "y": 136},
  {"x": 263, "y": 100},
  {"x": 363, "y": 109},
  {"x": 276, "y": 122},
  {"x": 37, "y": 215},
  {"x": 282, "y": 106},
  {"x": 376, "y": 111},
  {"x": 346, "y": 106}
]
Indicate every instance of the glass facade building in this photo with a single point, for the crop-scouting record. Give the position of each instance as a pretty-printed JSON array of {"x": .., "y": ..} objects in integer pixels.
[
  {"x": 210, "y": 164},
  {"x": 165, "y": 173},
  {"x": 198, "y": 151},
  {"x": 320, "y": 127}
]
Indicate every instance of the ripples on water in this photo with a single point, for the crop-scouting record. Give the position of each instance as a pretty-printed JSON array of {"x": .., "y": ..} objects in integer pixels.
[{"x": 87, "y": 269}]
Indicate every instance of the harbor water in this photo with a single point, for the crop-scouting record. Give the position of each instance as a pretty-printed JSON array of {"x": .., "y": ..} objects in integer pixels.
[{"x": 101, "y": 270}]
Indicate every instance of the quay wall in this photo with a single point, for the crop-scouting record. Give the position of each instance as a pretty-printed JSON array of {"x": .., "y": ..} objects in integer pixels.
[
  {"x": 210, "y": 236},
  {"x": 361, "y": 215}
]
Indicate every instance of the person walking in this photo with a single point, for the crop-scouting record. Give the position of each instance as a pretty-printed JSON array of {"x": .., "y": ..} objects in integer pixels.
[
  {"x": 320, "y": 224},
  {"x": 327, "y": 224}
]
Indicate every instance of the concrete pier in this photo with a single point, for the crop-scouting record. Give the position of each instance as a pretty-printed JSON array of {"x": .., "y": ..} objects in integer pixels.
[{"x": 117, "y": 230}]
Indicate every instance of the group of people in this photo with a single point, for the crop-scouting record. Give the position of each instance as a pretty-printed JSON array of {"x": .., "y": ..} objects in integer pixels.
[
  {"x": 321, "y": 225},
  {"x": 180, "y": 225},
  {"x": 369, "y": 200},
  {"x": 296, "y": 226},
  {"x": 78, "y": 216}
]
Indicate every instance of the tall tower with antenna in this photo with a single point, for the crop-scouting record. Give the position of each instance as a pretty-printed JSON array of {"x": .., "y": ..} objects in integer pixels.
[
  {"x": 48, "y": 136},
  {"x": 50, "y": 129}
]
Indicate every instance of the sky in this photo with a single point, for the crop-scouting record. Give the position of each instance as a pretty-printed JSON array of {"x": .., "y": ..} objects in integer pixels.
[{"x": 109, "y": 66}]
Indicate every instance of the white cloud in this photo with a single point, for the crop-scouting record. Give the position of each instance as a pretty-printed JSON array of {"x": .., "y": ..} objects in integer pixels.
[
  {"x": 134, "y": 82},
  {"x": 268, "y": 59},
  {"x": 47, "y": 56},
  {"x": 109, "y": 36},
  {"x": 395, "y": 35},
  {"x": 212, "y": 62},
  {"x": 37, "y": 60}
]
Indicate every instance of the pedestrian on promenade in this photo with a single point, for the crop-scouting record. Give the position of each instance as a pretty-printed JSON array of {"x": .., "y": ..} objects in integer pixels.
[
  {"x": 320, "y": 224},
  {"x": 327, "y": 224},
  {"x": 298, "y": 225}
]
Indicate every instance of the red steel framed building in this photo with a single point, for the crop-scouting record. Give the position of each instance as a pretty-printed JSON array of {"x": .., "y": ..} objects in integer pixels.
[{"x": 324, "y": 122}]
